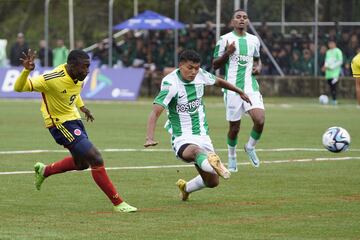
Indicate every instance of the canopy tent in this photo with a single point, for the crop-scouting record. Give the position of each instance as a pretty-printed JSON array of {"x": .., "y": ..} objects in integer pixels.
[{"x": 149, "y": 20}]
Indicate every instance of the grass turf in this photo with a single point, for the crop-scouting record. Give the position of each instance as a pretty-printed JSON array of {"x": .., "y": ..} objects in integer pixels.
[{"x": 289, "y": 200}]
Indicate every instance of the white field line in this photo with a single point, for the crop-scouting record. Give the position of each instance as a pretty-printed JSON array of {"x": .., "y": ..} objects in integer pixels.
[
  {"x": 190, "y": 165},
  {"x": 165, "y": 150},
  {"x": 208, "y": 102}
]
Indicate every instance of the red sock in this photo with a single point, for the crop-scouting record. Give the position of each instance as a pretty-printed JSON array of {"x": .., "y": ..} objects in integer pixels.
[
  {"x": 67, "y": 164},
  {"x": 103, "y": 181}
]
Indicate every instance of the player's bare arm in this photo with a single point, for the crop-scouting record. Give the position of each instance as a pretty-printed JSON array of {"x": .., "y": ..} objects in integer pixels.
[
  {"x": 88, "y": 114},
  {"x": 220, "y": 61},
  {"x": 257, "y": 66},
  {"x": 151, "y": 125},
  {"x": 21, "y": 83},
  {"x": 224, "y": 84}
]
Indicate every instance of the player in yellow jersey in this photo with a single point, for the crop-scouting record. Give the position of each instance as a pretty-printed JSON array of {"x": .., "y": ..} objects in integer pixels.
[
  {"x": 355, "y": 67},
  {"x": 60, "y": 90}
]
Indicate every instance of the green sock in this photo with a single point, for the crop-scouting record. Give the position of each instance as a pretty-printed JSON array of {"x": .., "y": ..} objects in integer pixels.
[
  {"x": 232, "y": 142},
  {"x": 255, "y": 135},
  {"x": 200, "y": 158}
]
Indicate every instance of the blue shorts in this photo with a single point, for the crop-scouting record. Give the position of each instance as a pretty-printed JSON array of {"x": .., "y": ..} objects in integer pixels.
[{"x": 70, "y": 133}]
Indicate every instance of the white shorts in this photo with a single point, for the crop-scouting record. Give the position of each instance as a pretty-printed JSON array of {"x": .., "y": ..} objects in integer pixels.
[
  {"x": 203, "y": 142},
  {"x": 236, "y": 107}
]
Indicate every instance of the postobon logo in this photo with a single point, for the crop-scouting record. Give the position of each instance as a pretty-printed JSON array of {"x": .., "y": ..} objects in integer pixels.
[
  {"x": 190, "y": 107},
  {"x": 241, "y": 60}
]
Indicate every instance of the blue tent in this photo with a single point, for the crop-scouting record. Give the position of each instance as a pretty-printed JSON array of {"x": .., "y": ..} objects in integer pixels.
[{"x": 149, "y": 20}]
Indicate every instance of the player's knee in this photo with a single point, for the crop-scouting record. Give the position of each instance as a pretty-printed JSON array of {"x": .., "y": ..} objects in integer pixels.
[
  {"x": 235, "y": 129},
  {"x": 260, "y": 121},
  {"x": 97, "y": 160},
  {"x": 82, "y": 166}
]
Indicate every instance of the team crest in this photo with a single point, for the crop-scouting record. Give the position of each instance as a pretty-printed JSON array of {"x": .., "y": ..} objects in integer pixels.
[
  {"x": 77, "y": 132},
  {"x": 200, "y": 90}
]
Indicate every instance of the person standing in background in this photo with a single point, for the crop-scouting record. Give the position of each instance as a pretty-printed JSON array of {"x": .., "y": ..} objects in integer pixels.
[
  {"x": 332, "y": 68},
  {"x": 17, "y": 49},
  {"x": 42, "y": 52},
  {"x": 3, "y": 60},
  {"x": 60, "y": 53}
]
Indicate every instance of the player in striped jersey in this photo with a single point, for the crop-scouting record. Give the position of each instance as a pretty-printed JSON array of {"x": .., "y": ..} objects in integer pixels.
[
  {"x": 60, "y": 90},
  {"x": 239, "y": 52},
  {"x": 181, "y": 94}
]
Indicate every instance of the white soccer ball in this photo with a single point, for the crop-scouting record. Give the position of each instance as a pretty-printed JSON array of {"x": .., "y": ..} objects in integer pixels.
[
  {"x": 323, "y": 99},
  {"x": 336, "y": 139}
]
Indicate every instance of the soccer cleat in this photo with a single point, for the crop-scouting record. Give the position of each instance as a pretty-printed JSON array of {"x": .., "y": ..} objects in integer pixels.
[
  {"x": 39, "y": 174},
  {"x": 232, "y": 164},
  {"x": 124, "y": 207},
  {"x": 218, "y": 166},
  {"x": 184, "y": 195},
  {"x": 252, "y": 156}
]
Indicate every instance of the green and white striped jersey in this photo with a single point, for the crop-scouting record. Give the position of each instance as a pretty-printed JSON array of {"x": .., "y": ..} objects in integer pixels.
[
  {"x": 238, "y": 68},
  {"x": 184, "y": 104}
]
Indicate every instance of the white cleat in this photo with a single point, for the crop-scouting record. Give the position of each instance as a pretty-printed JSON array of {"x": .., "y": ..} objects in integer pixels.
[
  {"x": 232, "y": 164},
  {"x": 252, "y": 156}
]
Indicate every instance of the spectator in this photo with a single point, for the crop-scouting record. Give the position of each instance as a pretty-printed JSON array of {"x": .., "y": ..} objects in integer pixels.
[
  {"x": 295, "y": 63},
  {"x": 17, "y": 50},
  {"x": 353, "y": 43},
  {"x": 284, "y": 60},
  {"x": 343, "y": 43},
  {"x": 79, "y": 44},
  {"x": 308, "y": 63},
  {"x": 101, "y": 54},
  {"x": 295, "y": 40},
  {"x": 42, "y": 52},
  {"x": 321, "y": 57},
  {"x": 60, "y": 53},
  {"x": 191, "y": 39},
  {"x": 3, "y": 60}
]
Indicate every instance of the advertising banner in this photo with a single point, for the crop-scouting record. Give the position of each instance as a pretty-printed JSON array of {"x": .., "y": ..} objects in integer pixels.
[{"x": 100, "y": 84}]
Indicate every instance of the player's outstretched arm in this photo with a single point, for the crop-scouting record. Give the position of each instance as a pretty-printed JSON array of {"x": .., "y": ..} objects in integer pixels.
[
  {"x": 21, "y": 83},
  {"x": 225, "y": 84},
  {"x": 151, "y": 125}
]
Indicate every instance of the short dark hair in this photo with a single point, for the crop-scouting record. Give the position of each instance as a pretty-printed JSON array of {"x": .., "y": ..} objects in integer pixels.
[
  {"x": 189, "y": 55},
  {"x": 238, "y": 10},
  {"x": 76, "y": 55}
]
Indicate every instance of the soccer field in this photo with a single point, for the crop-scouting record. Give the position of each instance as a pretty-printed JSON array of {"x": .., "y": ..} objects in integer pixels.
[{"x": 300, "y": 191}]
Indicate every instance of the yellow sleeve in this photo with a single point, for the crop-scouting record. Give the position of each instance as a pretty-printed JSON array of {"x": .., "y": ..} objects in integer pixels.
[
  {"x": 79, "y": 102},
  {"x": 22, "y": 84},
  {"x": 38, "y": 84},
  {"x": 355, "y": 66}
]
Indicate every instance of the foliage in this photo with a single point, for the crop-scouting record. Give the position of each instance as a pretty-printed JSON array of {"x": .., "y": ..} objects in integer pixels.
[{"x": 91, "y": 16}]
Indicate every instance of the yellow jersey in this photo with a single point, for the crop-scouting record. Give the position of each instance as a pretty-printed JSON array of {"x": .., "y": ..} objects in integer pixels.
[
  {"x": 60, "y": 94},
  {"x": 355, "y": 66}
]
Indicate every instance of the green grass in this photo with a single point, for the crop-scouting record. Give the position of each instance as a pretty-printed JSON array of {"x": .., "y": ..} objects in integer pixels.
[{"x": 288, "y": 200}]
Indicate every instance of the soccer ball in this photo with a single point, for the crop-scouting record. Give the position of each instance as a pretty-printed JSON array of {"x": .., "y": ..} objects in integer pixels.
[
  {"x": 336, "y": 139},
  {"x": 323, "y": 99}
]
